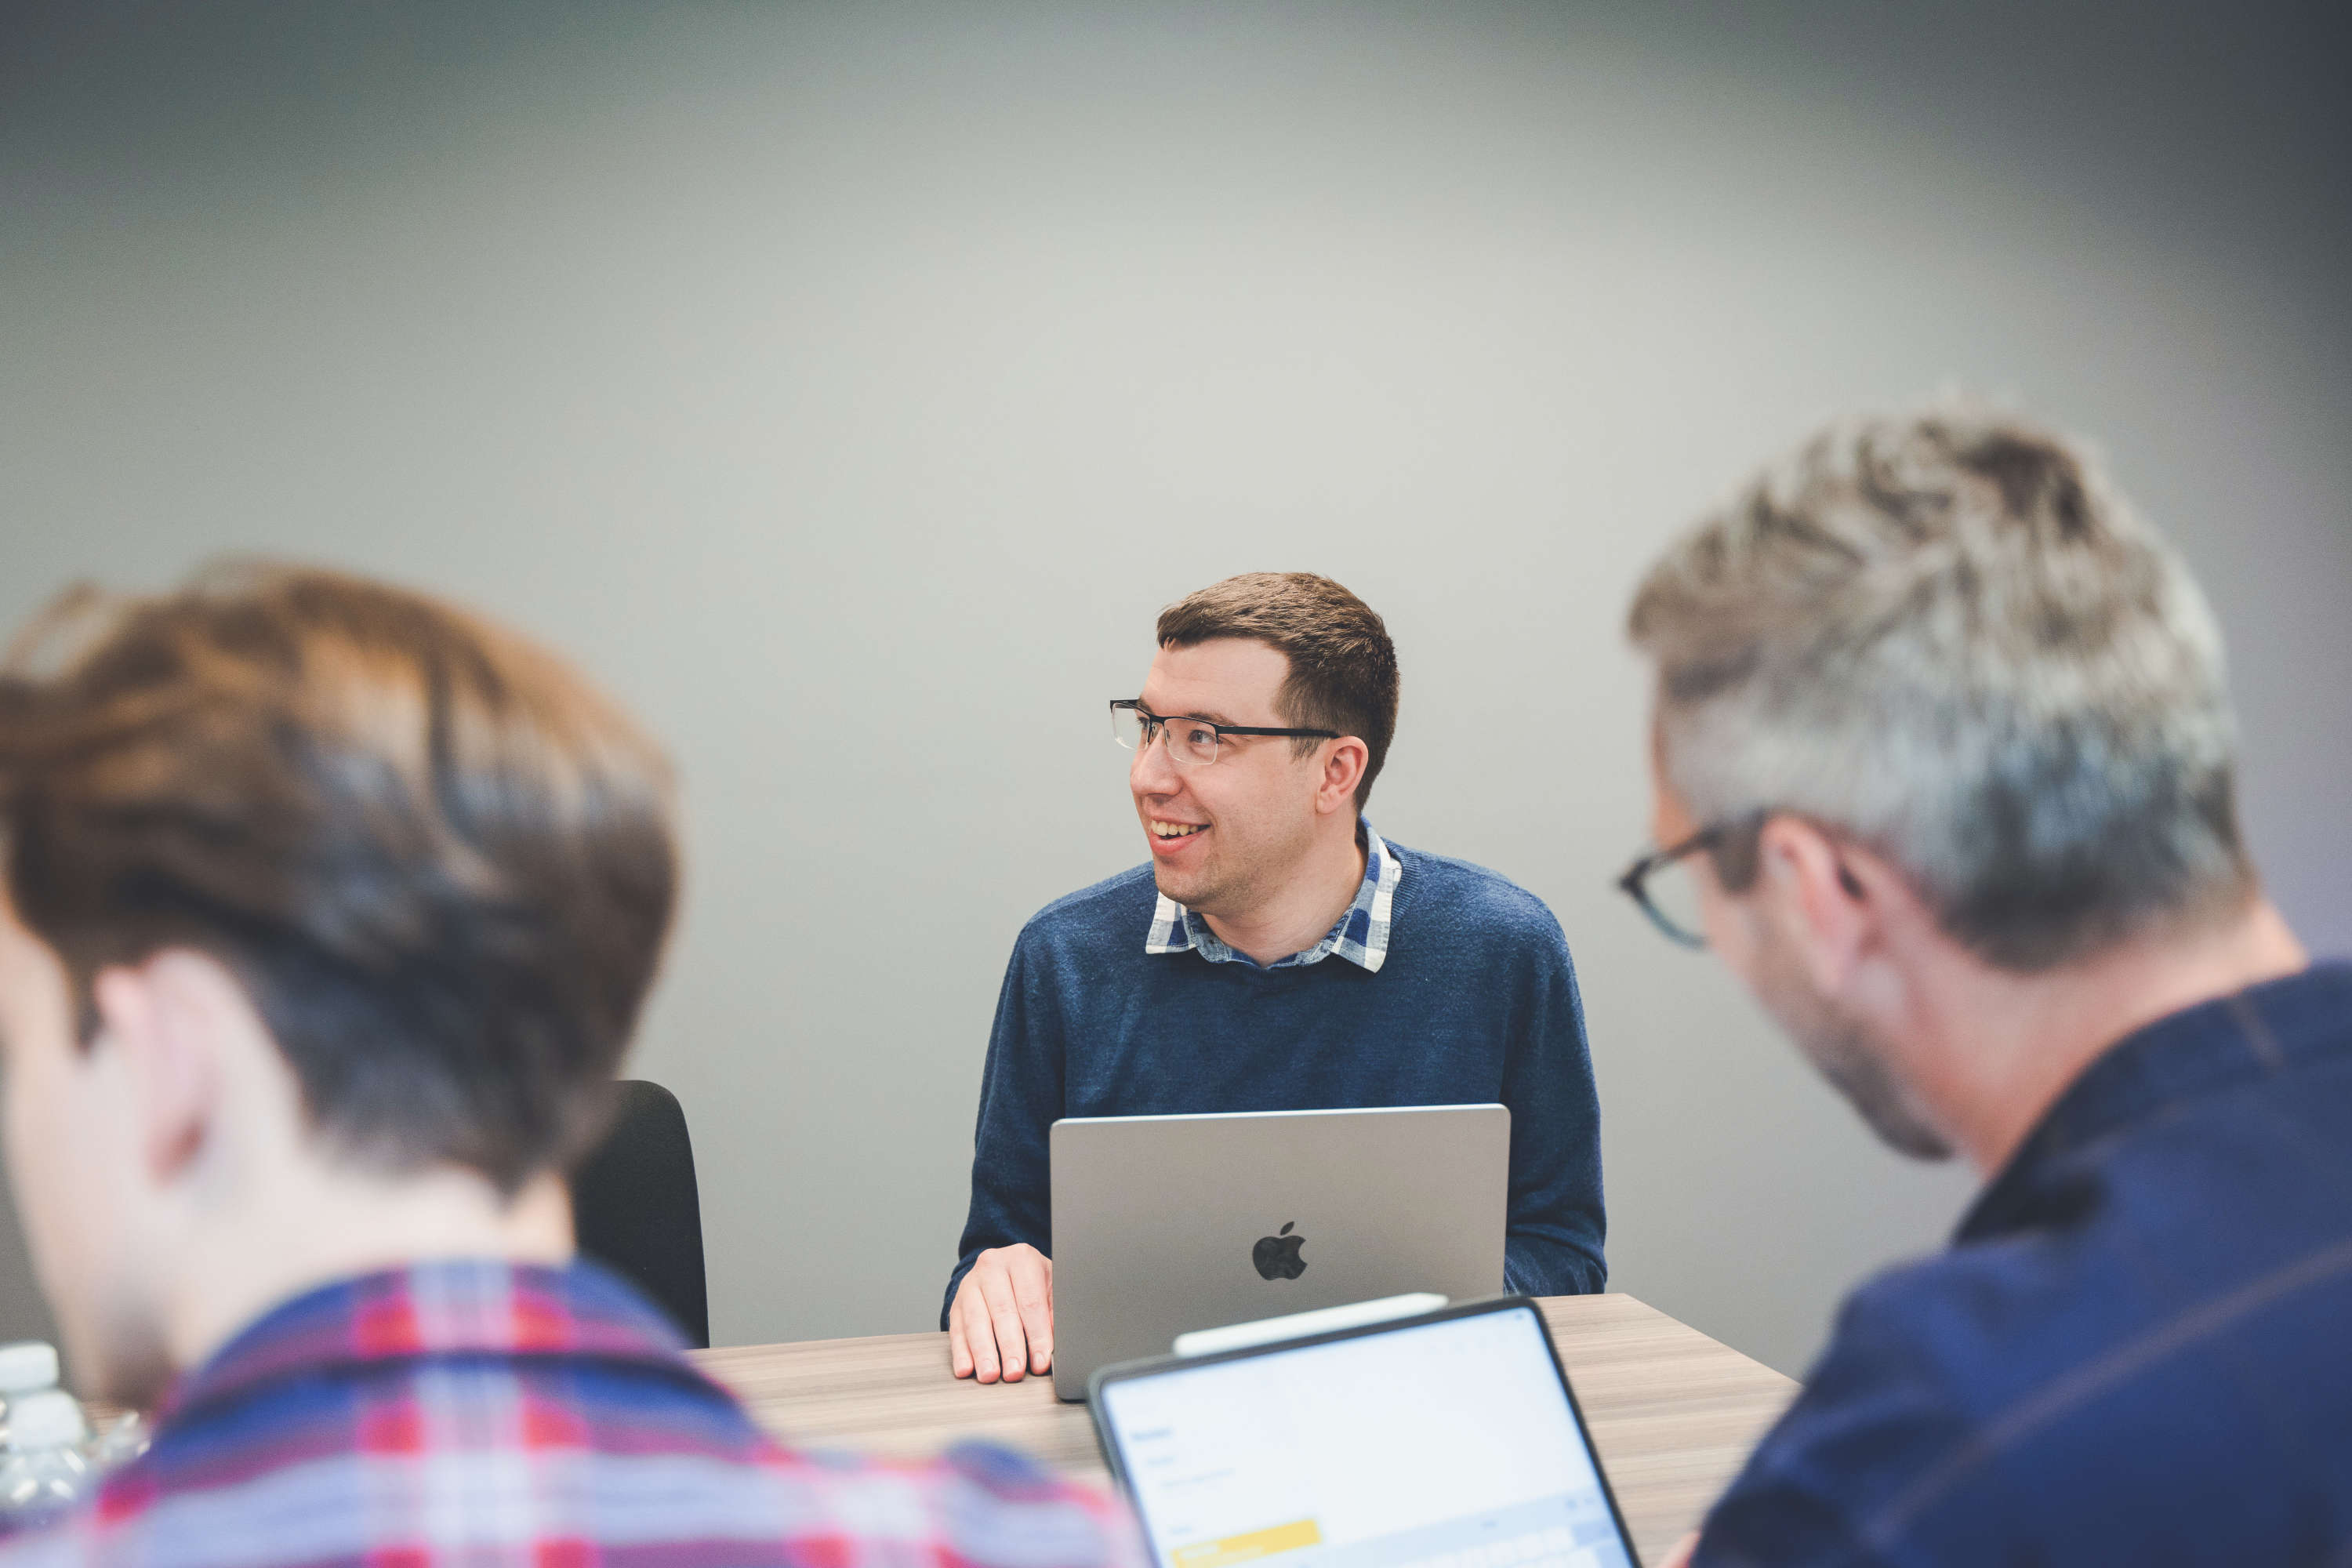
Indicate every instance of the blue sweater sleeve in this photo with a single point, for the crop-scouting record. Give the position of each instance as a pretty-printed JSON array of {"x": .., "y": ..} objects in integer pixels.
[
  {"x": 1020, "y": 1097},
  {"x": 1557, "y": 1227}
]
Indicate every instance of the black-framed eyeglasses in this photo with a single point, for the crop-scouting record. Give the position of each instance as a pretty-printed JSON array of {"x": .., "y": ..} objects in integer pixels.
[
  {"x": 1666, "y": 890},
  {"x": 1192, "y": 742}
]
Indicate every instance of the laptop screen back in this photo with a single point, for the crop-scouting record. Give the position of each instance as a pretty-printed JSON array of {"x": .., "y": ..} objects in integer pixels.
[{"x": 1446, "y": 1444}]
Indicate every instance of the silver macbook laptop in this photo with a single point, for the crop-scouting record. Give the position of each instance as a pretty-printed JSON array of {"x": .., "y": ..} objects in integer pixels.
[
  {"x": 1163, "y": 1225},
  {"x": 1449, "y": 1440}
]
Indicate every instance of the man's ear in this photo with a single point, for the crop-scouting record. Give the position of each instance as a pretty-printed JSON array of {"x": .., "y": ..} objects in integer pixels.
[
  {"x": 1343, "y": 770},
  {"x": 1827, "y": 912},
  {"x": 169, "y": 1017}
]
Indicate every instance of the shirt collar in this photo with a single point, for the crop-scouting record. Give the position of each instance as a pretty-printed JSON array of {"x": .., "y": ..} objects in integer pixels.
[
  {"x": 2180, "y": 1059},
  {"x": 454, "y": 1306},
  {"x": 1361, "y": 935}
]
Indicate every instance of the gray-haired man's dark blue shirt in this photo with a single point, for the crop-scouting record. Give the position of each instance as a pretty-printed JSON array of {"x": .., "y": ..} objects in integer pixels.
[{"x": 2138, "y": 1348}]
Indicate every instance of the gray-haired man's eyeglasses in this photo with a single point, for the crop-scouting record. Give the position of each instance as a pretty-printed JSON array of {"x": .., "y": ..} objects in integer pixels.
[
  {"x": 1673, "y": 909},
  {"x": 1192, "y": 742}
]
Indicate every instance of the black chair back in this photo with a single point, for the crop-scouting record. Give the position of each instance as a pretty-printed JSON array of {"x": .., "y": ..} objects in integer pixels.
[{"x": 635, "y": 1210}]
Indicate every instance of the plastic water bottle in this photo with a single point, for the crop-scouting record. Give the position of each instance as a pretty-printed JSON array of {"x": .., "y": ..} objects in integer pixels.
[
  {"x": 45, "y": 1472},
  {"x": 26, "y": 1366}
]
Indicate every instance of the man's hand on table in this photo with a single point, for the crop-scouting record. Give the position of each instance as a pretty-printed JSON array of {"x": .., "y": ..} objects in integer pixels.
[
  {"x": 1681, "y": 1555},
  {"x": 1001, "y": 1324}
]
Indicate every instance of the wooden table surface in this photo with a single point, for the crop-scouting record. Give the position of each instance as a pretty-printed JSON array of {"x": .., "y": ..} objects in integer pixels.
[{"x": 1672, "y": 1412}]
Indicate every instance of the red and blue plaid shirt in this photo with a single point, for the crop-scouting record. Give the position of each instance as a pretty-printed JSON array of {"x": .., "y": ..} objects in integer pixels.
[{"x": 477, "y": 1413}]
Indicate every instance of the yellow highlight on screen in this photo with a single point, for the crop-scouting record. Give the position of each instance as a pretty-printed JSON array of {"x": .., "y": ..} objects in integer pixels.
[{"x": 1245, "y": 1548}]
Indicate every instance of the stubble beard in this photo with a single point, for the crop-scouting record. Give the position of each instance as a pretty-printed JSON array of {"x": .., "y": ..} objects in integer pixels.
[
  {"x": 1843, "y": 1050},
  {"x": 1242, "y": 878},
  {"x": 1213, "y": 891}
]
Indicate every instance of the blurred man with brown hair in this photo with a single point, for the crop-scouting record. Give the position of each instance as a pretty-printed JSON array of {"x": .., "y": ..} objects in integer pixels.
[
  {"x": 1944, "y": 753},
  {"x": 1276, "y": 954},
  {"x": 328, "y": 913}
]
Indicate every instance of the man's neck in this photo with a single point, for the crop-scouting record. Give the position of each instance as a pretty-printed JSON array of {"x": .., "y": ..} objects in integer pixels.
[
  {"x": 1295, "y": 915},
  {"x": 354, "y": 1223},
  {"x": 2006, "y": 1047}
]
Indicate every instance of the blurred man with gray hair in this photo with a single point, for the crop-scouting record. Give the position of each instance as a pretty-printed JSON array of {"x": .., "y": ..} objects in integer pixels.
[{"x": 1943, "y": 758}]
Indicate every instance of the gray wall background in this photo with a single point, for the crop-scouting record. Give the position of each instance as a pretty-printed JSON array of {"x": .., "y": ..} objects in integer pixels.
[{"x": 847, "y": 387}]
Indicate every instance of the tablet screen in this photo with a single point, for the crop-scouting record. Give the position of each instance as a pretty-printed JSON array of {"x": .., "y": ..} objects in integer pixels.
[{"x": 1449, "y": 1444}]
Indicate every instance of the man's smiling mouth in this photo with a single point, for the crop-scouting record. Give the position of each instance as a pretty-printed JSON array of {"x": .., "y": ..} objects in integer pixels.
[{"x": 1177, "y": 829}]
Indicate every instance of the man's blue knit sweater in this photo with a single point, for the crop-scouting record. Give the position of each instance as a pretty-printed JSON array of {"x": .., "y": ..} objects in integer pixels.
[{"x": 1475, "y": 1002}]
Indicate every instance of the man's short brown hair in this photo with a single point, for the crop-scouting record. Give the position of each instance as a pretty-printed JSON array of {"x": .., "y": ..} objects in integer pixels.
[
  {"x": 442, "y": 865},
  {"x": 1343, "y": 668}
]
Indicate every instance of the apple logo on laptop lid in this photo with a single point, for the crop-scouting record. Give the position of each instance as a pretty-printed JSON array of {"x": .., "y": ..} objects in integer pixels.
[{"x": 1276, "y": 1255}]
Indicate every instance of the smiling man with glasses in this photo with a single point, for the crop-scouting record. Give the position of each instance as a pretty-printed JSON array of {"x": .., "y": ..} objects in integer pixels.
[{"x": 1275, "y": 954}]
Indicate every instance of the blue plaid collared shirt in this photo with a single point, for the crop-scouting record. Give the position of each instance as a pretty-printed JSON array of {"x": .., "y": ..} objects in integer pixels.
[{"x": 1361, "y": 935}]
